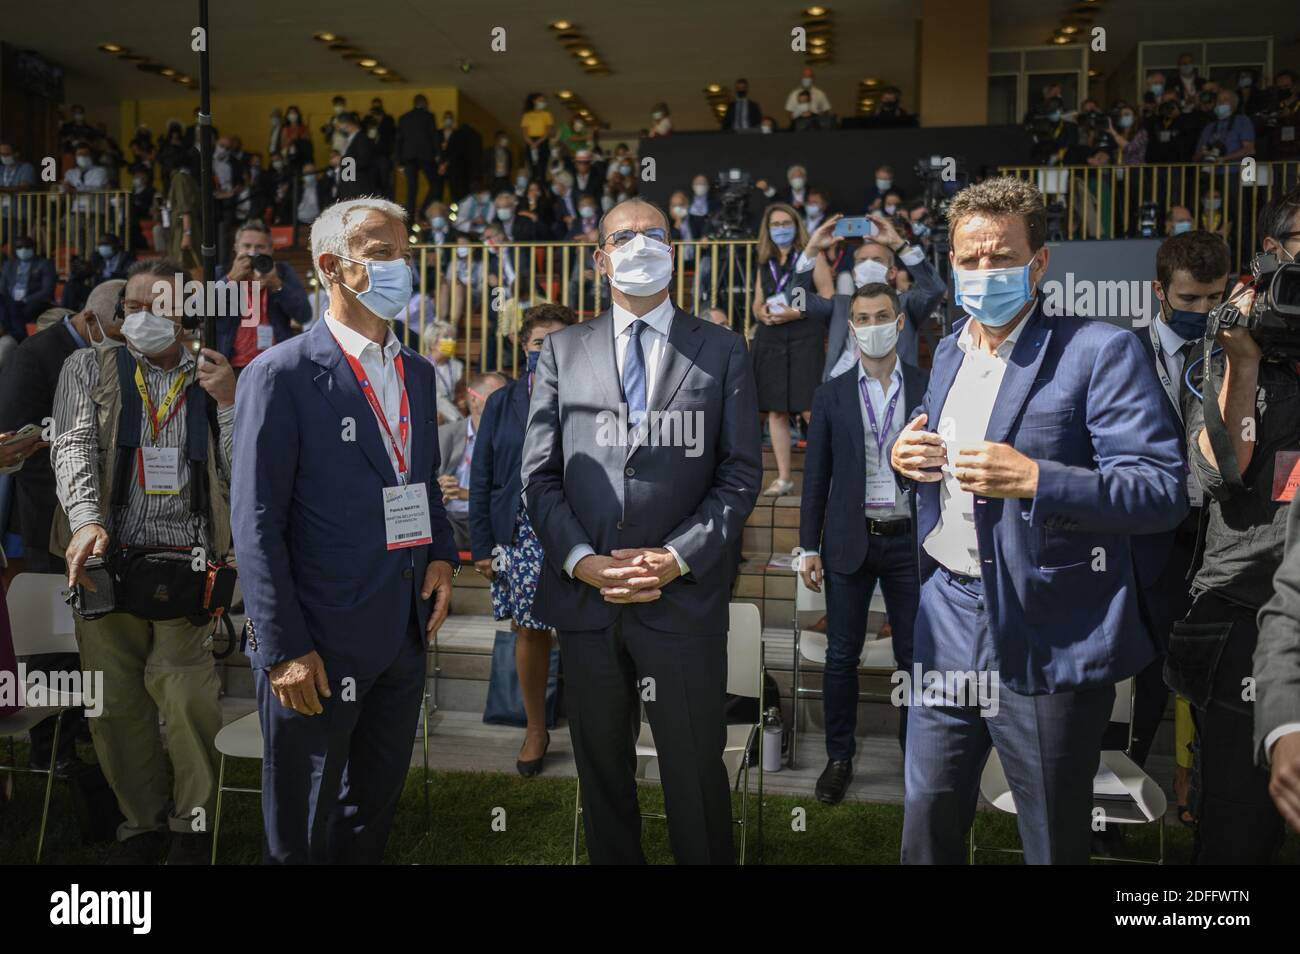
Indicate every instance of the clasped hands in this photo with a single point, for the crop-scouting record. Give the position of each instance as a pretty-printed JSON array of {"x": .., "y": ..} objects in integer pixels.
[
  {"x": 988, "y": 468},
  {"x": 636, "y": 575}
]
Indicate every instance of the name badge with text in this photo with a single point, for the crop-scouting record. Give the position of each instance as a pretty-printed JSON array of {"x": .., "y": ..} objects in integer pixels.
[
  {"x": 406, "y": 516},
  {"x": 162, "y": 470}
]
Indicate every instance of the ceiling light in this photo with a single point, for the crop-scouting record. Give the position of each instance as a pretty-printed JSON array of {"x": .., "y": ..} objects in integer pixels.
[
  {"x": 368, "y": 62},
  {"x": 111, "y": 47},
  {"x": 167, "y": 71},
  {"x": 561, "y": 25},
  {"x": 565, "y": 94},
  {"x": 816, "y": 12},
  {"x": 380, "y": 71},
  {"x": 326, "y": 37},
  {"x": 591, "y": 61}
]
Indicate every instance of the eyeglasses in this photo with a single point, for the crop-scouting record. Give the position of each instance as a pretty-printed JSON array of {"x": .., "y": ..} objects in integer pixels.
[{"x": 623, "y": 236}]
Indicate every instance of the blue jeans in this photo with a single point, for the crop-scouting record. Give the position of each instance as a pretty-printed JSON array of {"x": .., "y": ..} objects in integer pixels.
[{"x": 891, "y": 561}]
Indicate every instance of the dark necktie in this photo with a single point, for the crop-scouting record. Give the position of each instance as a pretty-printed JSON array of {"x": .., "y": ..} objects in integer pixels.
[{"x": 634, "y": 375}]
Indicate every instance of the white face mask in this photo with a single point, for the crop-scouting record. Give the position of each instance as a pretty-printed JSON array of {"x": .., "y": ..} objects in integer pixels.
[
  {"x": 105, "y": 343},
  {"x": 640, "y": 268},
  {"x": 149, "y": 334},
  {"x": 867, "y": 271},
  {"x": 700, "y": 188},
  {"x": 876, "y": 341},
  {"x": 84, "y": 162},
  {"x": 797, "y": 182}
]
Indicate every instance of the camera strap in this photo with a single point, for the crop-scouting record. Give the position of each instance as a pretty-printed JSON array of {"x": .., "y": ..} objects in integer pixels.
[{"x": 1220, "y": 442}]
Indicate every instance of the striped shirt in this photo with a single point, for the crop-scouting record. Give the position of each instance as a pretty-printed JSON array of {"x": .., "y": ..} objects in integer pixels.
[{"x": 151, "y": 519}]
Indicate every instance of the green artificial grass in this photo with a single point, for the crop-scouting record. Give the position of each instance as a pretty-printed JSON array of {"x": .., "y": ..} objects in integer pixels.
[{"x": 493, "y": 818}]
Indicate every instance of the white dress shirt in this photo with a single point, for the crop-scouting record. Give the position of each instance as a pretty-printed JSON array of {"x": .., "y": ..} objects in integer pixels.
[
  {"x": 654, "y": 340},
  {"x": 382, "y": 372},
  {"x": 963, "y": 422}
]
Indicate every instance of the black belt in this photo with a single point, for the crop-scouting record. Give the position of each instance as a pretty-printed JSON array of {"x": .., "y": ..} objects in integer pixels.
[
  {"x": 889, "y": 528},
  {"x": 960, "y": 578}
]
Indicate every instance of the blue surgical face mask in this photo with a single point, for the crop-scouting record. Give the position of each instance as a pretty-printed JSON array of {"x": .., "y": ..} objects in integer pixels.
[
  {"x": 24, "y": 254},
  {"x": 782, "y": 235},
  {"x": 439, "y": 222},
  {"x": 389, "y": 291},
  {"x": 105, "y": 251},
  {"x": 1184, "y": 226},
  {"x": 532, "y": 360},
  {"x": 1223, "y": 110},
  {"x": 1054, "y": 115},
  {"x": 993, "y": 296},
  {"x": 1188, "y": 325},
  {"x": 920, "y": 229}
]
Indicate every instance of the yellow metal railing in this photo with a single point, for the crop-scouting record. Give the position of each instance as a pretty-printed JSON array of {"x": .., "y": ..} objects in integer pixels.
[
  {"x": 1093, "y": 202},
  {"x": 64, "y": 223},
  {"x": 484, "y": 294}
]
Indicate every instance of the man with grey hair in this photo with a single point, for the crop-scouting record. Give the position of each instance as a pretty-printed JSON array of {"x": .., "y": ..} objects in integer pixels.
[{"x": 343, "y": 540}]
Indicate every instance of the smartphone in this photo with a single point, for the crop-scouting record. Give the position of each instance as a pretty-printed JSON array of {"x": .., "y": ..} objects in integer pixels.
[
  {"x": 26, "y": 432},
  {"x": 860, "y": 226}
]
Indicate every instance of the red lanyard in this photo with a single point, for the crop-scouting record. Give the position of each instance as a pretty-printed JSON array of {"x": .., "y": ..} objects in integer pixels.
[{"x": 403, "y": 411}]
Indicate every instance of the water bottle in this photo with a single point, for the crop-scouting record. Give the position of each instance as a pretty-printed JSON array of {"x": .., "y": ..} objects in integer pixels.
[{"x": 772, "y": 732}]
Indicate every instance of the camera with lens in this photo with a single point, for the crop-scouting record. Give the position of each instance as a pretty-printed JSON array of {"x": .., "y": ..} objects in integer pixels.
[
  {"x": 1095, "y": 121},
  {"x": 733, "y": 188},
  {"x": 263, "y": 264},
  {"x": 1273, "y": 319}
]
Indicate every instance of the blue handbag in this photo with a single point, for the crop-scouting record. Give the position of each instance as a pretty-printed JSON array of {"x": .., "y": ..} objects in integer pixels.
[{"x": 505, "y": 700}]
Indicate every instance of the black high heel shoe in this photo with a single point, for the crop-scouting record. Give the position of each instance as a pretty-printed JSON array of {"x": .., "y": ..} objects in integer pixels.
[{"x": 534, "y": 766}]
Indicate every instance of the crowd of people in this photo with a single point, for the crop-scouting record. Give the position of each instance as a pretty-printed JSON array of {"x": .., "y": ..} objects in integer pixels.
[{"x": 347, "y": 464}]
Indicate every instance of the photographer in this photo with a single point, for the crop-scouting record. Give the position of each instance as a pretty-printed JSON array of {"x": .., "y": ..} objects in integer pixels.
[
  {"x": 141, "y": 458},
  {"x": 1238, "y": 454},
  {"x": 1054, "y": 136},
  {"x": 280, "y": 310}
]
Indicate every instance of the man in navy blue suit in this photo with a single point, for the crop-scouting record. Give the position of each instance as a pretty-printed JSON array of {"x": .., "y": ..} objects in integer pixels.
[
  {"x": 1191, "y": 278},
  {"x": 1049, "y": 451},
  {"x": 855, "y": 532},
  {"x": 342, "y": 539}
]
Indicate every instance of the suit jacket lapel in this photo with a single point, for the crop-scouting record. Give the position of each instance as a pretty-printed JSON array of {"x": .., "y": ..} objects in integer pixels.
[
  {"x": 849, "y": 399},
  {"x": 1022, "y": 370},
  {"x": 340, "y": 387},
  {"x": 683, "y": 344},
  {"x": 598, "y": 339},
  {"x": 519, "y": 398}
]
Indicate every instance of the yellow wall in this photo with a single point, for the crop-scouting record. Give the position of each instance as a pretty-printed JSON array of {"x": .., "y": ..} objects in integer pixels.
[
  {"x": 953, "y": 62},
  {"x": 249, "y": 116}
]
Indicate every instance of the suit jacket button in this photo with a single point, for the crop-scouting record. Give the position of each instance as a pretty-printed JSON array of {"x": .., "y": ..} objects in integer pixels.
[
  {"x": 630, "y": 472},
  {"x": 407, "y": 573}
]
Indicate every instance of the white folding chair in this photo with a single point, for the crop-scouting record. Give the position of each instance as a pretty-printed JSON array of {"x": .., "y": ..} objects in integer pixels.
[
  {"x": 1145, "y": 803},
  {"x": 242, "y": 739},
  {"x": 42, "y": 622},
  {"x": 744, "y": 678},
  {"x": 811, "y": 645}
]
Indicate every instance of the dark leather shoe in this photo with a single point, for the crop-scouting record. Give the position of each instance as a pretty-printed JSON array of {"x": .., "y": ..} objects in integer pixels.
[
  {"x": 145, "y": 849},
  {"x": 190, "y": 848},
  {"x": 834, "y": 781},
  {"x": 534, "y": 766}
]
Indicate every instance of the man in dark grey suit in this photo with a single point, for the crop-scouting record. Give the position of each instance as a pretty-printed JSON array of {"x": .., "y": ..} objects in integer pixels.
[{"x": 640, "y": 465}]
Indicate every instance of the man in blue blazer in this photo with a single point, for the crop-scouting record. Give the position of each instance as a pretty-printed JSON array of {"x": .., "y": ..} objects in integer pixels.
[
  {"x": 855, "y": 521},
  {"x": 640, "y": 466},
  {"x": 1049, "y": 450},
  {"x": 342, "y": 539}
]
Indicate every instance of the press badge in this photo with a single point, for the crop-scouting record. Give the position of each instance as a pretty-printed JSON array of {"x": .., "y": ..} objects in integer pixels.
[
  {"x": 162, "y": 470},
  {"x": 265, "y": 337},
  {"x": 778, "y": 303},
  {"x": 406, "y": 516},
  {"x": 880, "y": 489},
  {"x": 1286, "y": 475}
]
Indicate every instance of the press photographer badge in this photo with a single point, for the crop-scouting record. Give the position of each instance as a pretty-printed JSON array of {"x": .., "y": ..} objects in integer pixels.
[
  {"x": 406, "y": 516},
  {"x": 161, "y": 467}
]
